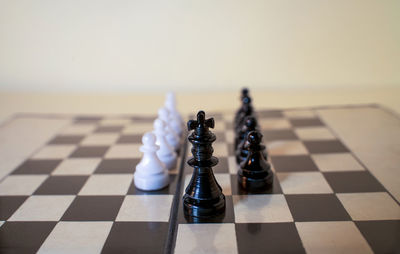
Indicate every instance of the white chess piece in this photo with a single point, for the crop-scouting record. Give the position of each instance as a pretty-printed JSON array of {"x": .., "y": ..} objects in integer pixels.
[
  {"x": 170, "y": 104},
  {"x": 166, "y": 153},
  {"x": 151, "y": 173},
  {"x": 172, "y": 137}
]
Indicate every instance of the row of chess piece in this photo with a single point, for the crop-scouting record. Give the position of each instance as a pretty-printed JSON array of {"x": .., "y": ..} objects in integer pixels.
[
  {"x": 204, "y": 196},
  {"x": 160, "y": 148},
  {"x": 254, "y": 172}
]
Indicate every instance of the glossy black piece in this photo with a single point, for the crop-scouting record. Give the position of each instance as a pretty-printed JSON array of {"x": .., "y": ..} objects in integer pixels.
[
  {"x": 250, "y": 124},
  {"x": 255, "y": 172},
  {"x": 246, "y": 110},
  {"x": 203, "y": 196},
  {"x": 244, "y": 93}
]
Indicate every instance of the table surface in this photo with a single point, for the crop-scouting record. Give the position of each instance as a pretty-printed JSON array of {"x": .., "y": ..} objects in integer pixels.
[{"x": 344, "y": 158}]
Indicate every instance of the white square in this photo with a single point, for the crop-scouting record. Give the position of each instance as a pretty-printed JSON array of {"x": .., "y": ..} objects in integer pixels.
[
  {"x": 100, "y": 139},
  {"x": 286, "y": 147},
  {"x": 299, "y": 114},
  {"x": 219, "y": 126},
  {"x": 43, "y": 208},
  {"x": 332, "y": 237},
  {"x": 79, "y": 129},
  {"x": 115, "y": 121},
  {"x": 233, "y": 166},
  {"x": 121, "y": 151},
  {"x": 224, "y": 180},
  {"x": 220, "y": 150},
  {"x": 336, "y": 162},
  {"x": 107, "y": 184},
  {"x": 228, "y": 117},
  {"x": 370, "y": 206},
  {"x": 261, "y": 209},
  {"x": 314, "y": 133},
  {"x": 55, "y": 152},
  {"x": 274, "y": 123},
  {"x": 77, "y": 166},
  {"x": 15, "y": 185},
  {"x": 229, "y": 136},
  {"x": 206, "y": 238},
  {"x": 138, "y": 128},
  {"x": 77, "y": 237},
  {"x": 303, "y": 183},
  {"x": 145, "y": 208}
]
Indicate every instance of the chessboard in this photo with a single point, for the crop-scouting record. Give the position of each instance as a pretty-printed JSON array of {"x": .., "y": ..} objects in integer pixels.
[{"x": 75, "y": 194}]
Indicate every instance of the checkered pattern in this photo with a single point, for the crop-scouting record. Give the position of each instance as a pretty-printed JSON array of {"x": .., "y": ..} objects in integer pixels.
[
  {"x": 76, "y": 194},
  {"x": 322, "y": 200}
]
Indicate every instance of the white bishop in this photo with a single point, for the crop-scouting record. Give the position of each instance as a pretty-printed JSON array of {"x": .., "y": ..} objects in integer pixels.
[
  {"x": 166, "y": 153},
  {"x": 151, "y": 173},
  {"x": 176, "y": 119},
  {"x": 171, "y": 136}
]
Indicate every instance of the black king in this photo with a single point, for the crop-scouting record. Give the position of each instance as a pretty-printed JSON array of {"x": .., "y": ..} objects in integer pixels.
[{"x": 203, "y": 196}]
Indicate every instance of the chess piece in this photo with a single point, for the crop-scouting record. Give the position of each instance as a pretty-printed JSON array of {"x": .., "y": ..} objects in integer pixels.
[
  {"x": 247, "y": 110},
  {"x": 250, "y": 124},
  {"x": 203, "y": 196},
  {"x": 166, "y": 153},
  {"x": 244, "y": 93},
  {"x": 255, "y": 172},
  {"x": 172, "y": 137},
  {"x": 151, "y": 173},
  {"x": 176, "y": 119}
]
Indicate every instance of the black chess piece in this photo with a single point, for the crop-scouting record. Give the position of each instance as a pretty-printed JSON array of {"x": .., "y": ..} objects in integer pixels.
[
  {"x": 247, "y": 110},
  {"x": 249, "y": 124},
  {"x": 245, "y": 93},
  {"x": 203, "y": 196},
  {"x": 255, "y": 172}
]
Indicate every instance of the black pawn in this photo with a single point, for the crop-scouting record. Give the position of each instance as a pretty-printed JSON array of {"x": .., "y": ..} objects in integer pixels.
[
  {"x": 247, "y": 110},
  {"x": 203, "y": 196},
  {"x": 245, "y": 93},
  {"x": 249, "y": 124},
  {"x": 255, "y": 172}
]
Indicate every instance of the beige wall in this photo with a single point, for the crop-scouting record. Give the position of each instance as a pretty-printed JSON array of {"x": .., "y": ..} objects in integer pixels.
[{"x": 142, "y": 45}]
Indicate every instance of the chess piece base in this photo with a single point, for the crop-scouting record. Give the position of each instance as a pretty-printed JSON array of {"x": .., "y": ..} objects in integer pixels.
[{"x": 254, "y": 184}]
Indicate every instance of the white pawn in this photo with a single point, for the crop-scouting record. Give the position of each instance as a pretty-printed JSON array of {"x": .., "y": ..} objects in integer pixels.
[
  {"x": 171, "y": 136},
  {"x": 170, "y": 104},
  {"x": 151, "y": 173},
  {"x": 166, "y": 153}
]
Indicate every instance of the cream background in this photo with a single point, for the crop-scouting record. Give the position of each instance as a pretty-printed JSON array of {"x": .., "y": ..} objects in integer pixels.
[{"x": 140, "y": 45}]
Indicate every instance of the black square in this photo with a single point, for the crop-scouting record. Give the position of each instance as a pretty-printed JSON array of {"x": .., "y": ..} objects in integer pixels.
[
  {"x": 325, "y": 146},
  {"x": 66, "y": 140},
  {"x": 293, "y": 163},
  {"x": 269, "y": 113},
  {"x": 129, "y": 139},
  {"x": 353, "y": 181},
  {"x": 93, "y": 208},
  {"x": 271, "y": 135},
  {"x": 306, "y": 122},
  {"x": 143, "y": 119},
  {"x": 61, "y": 185},
  {"x": 316, "y": 207},
  {"x": 226, "y": 217},
  {"x": 37, "y": 167},
  {"x": 170, "y": 189},
  {"x": 231, "y": 149},
  {"x": 382, "y": 236},
  {"x": 115, "y": 128},
  {"x": 238, "y": 190},
  {"x": 136, "y": 237},
  {"x": 9, "y": 204},
  {"x": 268, "y": 238},
  {"x": 89, "y": 151},
  {"x": 222, "y": 166},
  {"x": 117, "y": 166},
  {"x": 24, "y": 237}
]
